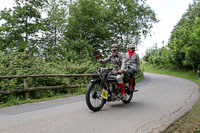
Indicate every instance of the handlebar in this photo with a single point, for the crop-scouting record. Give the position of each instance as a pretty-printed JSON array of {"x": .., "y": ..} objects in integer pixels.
[
  {"x": 107, "y": 70},
  {"x": 110, "y": 69}
]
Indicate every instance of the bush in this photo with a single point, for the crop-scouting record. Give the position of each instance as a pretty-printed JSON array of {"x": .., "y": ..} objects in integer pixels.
[{"x": 16, "y": 63}]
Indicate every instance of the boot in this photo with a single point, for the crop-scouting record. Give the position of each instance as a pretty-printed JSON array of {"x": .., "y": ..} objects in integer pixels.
[
  {"x": 131, "y": 87},
  {"x": 124, "y": 97}
]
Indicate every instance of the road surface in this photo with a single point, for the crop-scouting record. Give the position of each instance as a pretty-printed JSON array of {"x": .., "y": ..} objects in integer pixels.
[{"x": 160, "y": 101}]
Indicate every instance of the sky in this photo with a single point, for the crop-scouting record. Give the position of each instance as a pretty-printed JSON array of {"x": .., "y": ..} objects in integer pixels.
[
  {"x": 6, "y": 3},
  {"x": 169, "y": 12}
]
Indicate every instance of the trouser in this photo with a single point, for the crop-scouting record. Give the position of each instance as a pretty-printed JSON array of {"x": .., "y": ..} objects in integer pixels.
[
  {"x": 132, "y": 75},
  {"x": 120, "y": 82}
]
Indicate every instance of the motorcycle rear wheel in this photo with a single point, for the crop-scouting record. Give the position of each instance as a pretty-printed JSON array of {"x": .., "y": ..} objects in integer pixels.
[
  {"x": 129, "y": 98},
  {"x": 93, "y": 97}
]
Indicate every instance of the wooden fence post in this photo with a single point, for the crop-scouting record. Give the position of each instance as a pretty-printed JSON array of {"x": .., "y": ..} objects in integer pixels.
[
  {"x": 26, "y": 87},
  {"x": 68, "y": 83}
]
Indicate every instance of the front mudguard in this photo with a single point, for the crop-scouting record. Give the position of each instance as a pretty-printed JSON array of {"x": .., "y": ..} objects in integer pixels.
[{"x": 98, "y": 80}]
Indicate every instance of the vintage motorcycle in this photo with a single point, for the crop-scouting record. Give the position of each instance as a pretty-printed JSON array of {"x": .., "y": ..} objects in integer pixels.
[{"x": 105, "y": 89}]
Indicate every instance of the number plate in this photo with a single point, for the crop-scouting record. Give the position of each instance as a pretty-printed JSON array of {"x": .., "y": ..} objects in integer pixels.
[{"x": 104, "y": 94}]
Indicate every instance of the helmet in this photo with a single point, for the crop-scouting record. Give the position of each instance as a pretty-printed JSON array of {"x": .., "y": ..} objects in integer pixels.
[
  {"x": 114, "y": 47},
  {"x": 131, "y": 45}
]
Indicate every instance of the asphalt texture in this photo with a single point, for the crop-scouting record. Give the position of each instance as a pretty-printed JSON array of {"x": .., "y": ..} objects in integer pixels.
[{"x": 160, "y": 101}]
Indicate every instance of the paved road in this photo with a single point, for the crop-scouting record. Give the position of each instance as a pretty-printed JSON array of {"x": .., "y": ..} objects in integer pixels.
[{"x": 159, "y": 102}]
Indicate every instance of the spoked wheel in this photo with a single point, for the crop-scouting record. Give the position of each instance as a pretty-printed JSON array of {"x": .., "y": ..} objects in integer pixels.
[
  {"x": 129, "y": 97},
  {"x": 93, "y": 97}
]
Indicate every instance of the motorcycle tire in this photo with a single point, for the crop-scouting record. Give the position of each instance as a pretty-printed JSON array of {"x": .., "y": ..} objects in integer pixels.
[
  {"x": 129, "y": 98},
  {"x": 94, "y": 93}
]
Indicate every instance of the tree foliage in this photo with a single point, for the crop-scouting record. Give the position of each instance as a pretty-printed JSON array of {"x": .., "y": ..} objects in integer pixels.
[
  {"x": 22, "y": 26},
  {"x": 99, "y": 23},
  {"x": 55, "y": 26},
  {"x": 81, "y": 26}
]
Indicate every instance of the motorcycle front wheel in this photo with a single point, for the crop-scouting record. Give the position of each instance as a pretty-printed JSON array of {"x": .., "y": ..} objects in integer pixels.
[{"x": 93, "y": 97}]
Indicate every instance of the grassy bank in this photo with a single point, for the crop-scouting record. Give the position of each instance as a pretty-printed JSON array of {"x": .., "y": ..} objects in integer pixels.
[{"x": 190, "y": 123}]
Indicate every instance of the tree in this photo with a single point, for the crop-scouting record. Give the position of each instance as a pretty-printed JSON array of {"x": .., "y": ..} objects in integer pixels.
[
  {"x": 55, "y": 26},
  {"x": 100, "y": 23},
  {"x": 22, "y": 25},
  {"x": 184, "y": 42}
]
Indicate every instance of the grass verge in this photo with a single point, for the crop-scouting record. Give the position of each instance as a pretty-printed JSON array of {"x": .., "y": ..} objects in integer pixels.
[
  {"x": 190, "y": 123},
  {"x": 18, "y": 102}
]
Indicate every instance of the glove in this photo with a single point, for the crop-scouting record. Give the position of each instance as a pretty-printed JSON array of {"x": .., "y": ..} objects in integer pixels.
[
  {"x": 97, "y": 54},
  {"x": 120, "y": 71}
]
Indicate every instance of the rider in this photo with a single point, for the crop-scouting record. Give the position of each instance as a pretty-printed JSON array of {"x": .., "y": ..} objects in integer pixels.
[
  {"x": 132, "y": 62},
  {"x": 116, "y": 59}
]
